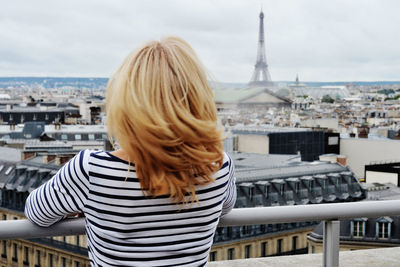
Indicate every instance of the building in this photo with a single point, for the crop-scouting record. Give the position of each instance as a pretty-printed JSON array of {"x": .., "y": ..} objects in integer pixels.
[
  {"x": 259, "y": 98},
  {"x": 48, "y": 112},
  {"x": 365, "y": 233},
  {"x": 36, "y": 136},
  {"x": 309, "y": 143},
  {"x": 368, "y": 151},
  {"x": 383, "y": 173},
  {"x": 276, "y": 180}
]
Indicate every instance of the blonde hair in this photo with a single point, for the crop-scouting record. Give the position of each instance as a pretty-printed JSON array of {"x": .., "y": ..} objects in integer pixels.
[{"x": 160, "y": 109}]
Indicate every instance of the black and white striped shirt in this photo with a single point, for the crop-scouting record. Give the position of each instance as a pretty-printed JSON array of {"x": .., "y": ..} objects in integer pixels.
[{"x": 125, "y": 228}]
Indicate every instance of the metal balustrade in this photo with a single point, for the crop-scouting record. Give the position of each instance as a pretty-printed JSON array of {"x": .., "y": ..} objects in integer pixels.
[{"x": 330, "y": 214}]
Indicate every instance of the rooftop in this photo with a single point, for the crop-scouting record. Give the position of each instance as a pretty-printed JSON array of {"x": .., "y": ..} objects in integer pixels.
[{"x": 387, "y": 257}]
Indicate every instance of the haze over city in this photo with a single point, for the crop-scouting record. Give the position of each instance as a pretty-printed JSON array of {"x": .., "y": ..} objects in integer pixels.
[{"x": 321, "y": 41}]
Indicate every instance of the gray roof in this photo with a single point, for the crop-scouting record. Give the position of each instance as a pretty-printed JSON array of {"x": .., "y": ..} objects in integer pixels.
[
  {"x": 268, "y": 180},
  {"x": 253, "y": 167},
  {"x": 8, "y": 154}
]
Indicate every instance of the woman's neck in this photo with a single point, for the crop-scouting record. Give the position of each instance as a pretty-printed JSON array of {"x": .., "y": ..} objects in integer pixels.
[{"x": 121, "y": 154}]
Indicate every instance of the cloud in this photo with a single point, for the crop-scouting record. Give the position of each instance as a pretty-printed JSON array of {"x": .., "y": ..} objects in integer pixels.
[{"x": 320, "y": 40}]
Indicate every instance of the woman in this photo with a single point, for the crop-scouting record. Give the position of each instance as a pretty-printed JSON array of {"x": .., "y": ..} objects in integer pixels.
[{"x": 157, "y": 200}]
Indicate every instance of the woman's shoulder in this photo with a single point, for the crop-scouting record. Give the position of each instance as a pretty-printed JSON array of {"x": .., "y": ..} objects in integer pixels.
[
  {"x": 226, "y": 168},
  {"x": 107, "y": 157},
  {"x": 227, "y": 160}
]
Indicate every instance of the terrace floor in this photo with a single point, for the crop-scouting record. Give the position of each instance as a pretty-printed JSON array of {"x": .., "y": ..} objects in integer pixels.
[{"x": 382, "y": 257}]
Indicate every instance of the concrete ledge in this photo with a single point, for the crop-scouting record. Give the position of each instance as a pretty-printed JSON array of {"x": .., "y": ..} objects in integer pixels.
[{"x": 382, "y": 257}]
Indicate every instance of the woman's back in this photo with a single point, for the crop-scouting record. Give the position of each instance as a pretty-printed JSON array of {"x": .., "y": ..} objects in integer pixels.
[{"x": 123, "y": 226}]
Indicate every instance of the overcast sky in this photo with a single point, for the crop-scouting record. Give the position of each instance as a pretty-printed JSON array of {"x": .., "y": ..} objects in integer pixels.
[{"x": 335, "y": 40}]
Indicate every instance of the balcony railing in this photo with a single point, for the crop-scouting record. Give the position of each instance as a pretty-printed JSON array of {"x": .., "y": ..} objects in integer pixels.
[{"x": 329, "y": 213}]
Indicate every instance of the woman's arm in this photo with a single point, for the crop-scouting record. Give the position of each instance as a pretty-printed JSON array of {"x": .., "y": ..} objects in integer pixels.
[
  {"x": 65, "y": 193},
  {"x": 230, "y": 197}
]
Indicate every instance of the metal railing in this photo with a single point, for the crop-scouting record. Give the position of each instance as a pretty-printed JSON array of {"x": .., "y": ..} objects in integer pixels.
[{"x": 330, "y": 214}]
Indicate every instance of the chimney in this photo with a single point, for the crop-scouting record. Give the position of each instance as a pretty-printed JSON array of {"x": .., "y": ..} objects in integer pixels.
[
  {"x": 28, "y": 155},
  {"x": 62, "y": 159},
  {"x": 342, "y": 160},
  {"x": 363, "y": 132},
  {"x": 397, "y": 136},
  {"x": 48, "y": 158}
]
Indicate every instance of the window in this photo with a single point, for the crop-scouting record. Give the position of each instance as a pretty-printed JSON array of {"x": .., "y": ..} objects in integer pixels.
[
  {"x": 77, "y": 240},
  {"x": 247, "y": 251},
  {"x": 4, "y": 252},
  {"x": 333, "y": 140},
  {"x": 78, "y": 137},
  {"x": 38, "y": 259},
  {"x": 312, "y": 249},
  {"x": 383, "y": 229},
  {"x": 358, "y": 228},
  {"x": 64, "y": 137},
  {"x": 281, "y": 189},
  {"x": 213, "y": 256},
  {"x": 312, "y": 184},
  {"x": 91, "y": 137},
  {"x": 251, "y": 193},
  {"x": 15, "y": 253},
  {"x": 296, "y": 187},
  {"x": 246, "y": 230},
  {"x": 63, "y": 262},
  {"x": 4, "y": 217},
  {"x": 26, "y": 256},
  {"x": 77, "y": 264},
  {"x": 294, "y": 243},
  {"x": 229, "y": 231},
  {"x": 231, "y": 254},
  {"x": 51, "y": 261},
  {"x": 264, "y": 247},
  {"x": 279, "y": 246},
  {"x": 323, "y": 183},
  {"x": 8, "y": 171},
  {"x": 337, "y": 181}
]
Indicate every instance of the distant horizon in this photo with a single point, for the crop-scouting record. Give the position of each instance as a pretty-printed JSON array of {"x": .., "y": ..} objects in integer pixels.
[{"x": 224, "y": 82}]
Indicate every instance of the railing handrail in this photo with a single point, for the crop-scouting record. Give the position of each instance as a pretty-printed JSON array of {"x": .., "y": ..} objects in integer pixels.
[{"x": 12, "y": 229}]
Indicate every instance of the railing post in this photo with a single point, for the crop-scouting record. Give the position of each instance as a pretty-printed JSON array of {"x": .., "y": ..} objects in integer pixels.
[{"x": 331, "y": 243}]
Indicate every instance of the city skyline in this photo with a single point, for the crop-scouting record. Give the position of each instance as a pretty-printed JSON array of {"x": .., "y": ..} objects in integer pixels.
[{"x": 334, "y": 41}]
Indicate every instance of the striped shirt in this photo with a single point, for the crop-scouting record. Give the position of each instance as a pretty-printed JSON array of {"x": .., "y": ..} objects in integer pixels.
[{"x": 124, "y": 227}]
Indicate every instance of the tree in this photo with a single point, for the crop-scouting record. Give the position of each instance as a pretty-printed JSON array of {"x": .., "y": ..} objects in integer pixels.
[{"x": 327, "y": 99}]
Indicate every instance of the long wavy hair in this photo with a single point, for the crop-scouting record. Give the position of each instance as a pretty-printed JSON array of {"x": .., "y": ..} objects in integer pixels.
[{"x": 161, "y": 111}]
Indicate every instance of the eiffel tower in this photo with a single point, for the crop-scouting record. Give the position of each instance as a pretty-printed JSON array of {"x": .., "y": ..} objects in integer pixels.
[{"x": 261, "y": 76}]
